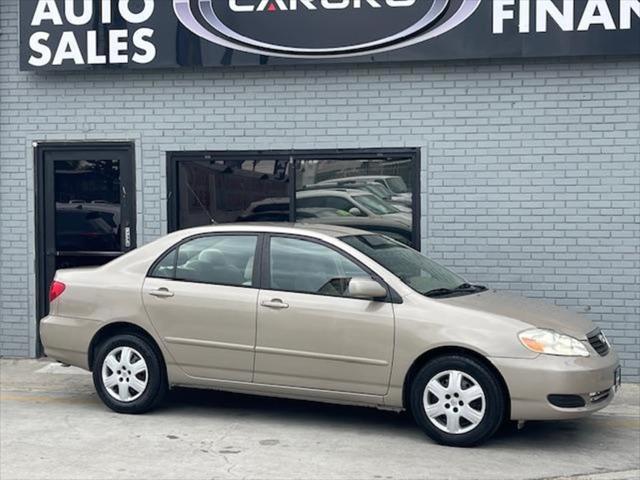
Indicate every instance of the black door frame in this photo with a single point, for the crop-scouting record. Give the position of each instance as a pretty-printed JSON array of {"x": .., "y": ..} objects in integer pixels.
[
  {"x": 42, "y": 222},
  {"x": 320, "y": 154}
]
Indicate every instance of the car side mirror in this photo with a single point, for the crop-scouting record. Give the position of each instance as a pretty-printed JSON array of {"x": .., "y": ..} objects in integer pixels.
[
  {"x": 355, "y": 211},
  {"x": 361, "y": 287}
]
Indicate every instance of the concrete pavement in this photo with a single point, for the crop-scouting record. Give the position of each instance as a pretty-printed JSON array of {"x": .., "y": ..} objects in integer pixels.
[{"x": 53, "y": 426}]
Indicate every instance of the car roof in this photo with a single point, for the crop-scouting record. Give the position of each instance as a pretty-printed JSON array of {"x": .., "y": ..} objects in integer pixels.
[
  {"x": 310, "y": 229},
  {"x": 360, "y": 177},
  {"x": 339, "y": 192}
]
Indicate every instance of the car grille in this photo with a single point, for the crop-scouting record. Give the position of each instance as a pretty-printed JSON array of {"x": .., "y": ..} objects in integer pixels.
[{"x": 598, "y": 341}]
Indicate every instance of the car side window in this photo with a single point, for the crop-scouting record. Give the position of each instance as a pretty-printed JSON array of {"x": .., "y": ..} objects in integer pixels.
[
  {"x": 339, "y": 203},
  {"x": 216, "y": 259},
  {"x": 165, "y": 268},
  {"x": 309, "y": 267},
  {"x": 311, "y": 202}
]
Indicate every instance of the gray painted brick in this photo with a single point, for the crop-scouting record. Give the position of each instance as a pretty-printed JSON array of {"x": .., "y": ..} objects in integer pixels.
[{"x": 530, "y": 173}]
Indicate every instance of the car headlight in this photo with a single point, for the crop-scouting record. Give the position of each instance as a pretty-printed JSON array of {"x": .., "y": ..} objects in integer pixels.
[{"x": 552, "y": 343}]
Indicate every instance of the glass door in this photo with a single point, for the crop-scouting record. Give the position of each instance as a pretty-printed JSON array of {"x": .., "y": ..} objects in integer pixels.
[{"x": 86, "y": 208}]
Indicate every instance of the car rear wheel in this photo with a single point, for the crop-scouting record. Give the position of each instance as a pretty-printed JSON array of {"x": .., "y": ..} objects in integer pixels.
[
  {"x": 457, "y": 401},
  {"x": 128, "y": 374}
]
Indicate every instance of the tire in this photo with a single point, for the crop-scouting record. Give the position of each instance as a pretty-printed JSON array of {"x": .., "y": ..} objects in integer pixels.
[
  {"x": 129, "y": 387},
  {"x": 464, "y": 408}
]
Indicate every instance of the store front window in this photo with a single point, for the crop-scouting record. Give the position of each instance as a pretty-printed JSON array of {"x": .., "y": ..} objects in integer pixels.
[
  {"x": 232, "y": 190},
  {"x": 369, "y": 190}
]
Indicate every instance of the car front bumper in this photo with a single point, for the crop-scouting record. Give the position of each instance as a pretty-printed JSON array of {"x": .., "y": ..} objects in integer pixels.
[{"x": 532, "y": 381}]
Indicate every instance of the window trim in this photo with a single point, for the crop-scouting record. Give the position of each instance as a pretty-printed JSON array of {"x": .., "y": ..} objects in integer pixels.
[
  {"x": 173, "y": 159},
  {"x": 265, "y": 267},
  {"x": 255, "y": 274}
]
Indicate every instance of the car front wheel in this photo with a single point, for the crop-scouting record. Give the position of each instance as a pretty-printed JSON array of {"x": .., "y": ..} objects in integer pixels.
[
  {"x": 128, "y": 374},
  {"x": 457, "y": 401}
]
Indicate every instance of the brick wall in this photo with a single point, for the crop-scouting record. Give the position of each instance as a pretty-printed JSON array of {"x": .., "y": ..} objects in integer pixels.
[{"x": 531, "y": 170}]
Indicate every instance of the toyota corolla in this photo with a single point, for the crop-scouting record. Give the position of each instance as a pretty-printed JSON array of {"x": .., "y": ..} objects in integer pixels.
[{"x": 328, "y": 314}]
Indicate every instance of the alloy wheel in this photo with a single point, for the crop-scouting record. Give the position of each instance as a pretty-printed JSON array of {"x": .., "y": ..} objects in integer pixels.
[
  {"x": 125, "y": 374},
  {"x": 454, "y": 402}
]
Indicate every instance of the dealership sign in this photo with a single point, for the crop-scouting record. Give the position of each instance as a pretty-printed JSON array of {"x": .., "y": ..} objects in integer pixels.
[{"x": 76, "y": 34}]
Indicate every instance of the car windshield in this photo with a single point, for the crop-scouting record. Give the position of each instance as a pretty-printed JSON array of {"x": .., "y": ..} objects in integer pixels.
[
  {"x": 397, "y": 185},
  {"x": 413, "y": 268},
  {"x": 375, "y": 204},
  {"x": 379, "y": 190}
]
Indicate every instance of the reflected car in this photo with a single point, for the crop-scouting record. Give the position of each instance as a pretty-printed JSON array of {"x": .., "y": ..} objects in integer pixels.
[
  {"x": 397, "y": 230},
  {"x": 393, "y": 183},
  {"x": 87, "y": 226},
  {"x": 355, "y": 202},
  {"x": 378, "y": 189},
  {"x": 329, "y": 314}
]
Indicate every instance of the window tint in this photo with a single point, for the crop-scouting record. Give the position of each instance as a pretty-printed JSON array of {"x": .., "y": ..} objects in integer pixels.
[
  {"x": 311, "y": 202},
  {"x": 339, "y": 203},
  {"x": 219, "y": 259},
  {"x": 167, "y": 266},
  {"x": 308, "y": 267}
]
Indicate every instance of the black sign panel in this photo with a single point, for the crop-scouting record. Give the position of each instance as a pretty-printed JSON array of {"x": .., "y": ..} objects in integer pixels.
[{"x": 77, "y": 34}]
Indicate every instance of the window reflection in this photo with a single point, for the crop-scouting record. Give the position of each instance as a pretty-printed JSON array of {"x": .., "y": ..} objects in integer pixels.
[
  {"x": 370, "y": 194},
  {"x": 87, "y": 195},
  {"x": 223, "y": 191},
  {"x": 374, "y": 194}
]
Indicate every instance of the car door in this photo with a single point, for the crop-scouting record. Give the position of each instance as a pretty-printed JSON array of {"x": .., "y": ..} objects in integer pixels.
[
  {"x": 310, "y": 333},
  {"x": 201, "y": 299}
]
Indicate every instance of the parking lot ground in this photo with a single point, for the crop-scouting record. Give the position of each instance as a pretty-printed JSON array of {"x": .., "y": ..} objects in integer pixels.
[{"x": 52, "y": 425}]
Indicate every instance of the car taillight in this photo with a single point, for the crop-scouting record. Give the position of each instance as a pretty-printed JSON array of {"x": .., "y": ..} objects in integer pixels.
[{"x": 56, "y": 290}]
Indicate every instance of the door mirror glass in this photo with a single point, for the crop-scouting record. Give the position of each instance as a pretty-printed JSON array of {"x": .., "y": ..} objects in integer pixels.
[
  {"x": 356, "y": 212},
  {"x": 362, "y": 287}
]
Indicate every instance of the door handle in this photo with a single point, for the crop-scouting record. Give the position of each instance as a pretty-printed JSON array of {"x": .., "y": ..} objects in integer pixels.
[
  {"x": 274, "y": 303},
  {"x": 161, "y": 293}
]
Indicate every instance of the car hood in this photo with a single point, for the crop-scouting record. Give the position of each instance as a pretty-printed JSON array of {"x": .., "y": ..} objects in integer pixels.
[
  {"x": 402, "y": 217},
  {"x": 534, "y": 312}
]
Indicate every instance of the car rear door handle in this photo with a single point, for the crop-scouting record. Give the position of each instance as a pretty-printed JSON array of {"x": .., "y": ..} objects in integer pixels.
[
  {"x": 274, "y": 303},
  {"x": 161, "y": 293}
]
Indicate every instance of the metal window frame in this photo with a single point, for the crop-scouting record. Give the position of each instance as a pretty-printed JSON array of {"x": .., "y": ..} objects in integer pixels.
[{"x": 174, "y": 157}]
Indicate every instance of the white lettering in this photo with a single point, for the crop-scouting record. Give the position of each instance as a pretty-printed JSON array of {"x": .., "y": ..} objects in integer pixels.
[
  {"x": 142, "y": 16},
  {"x": 626, "y": 7},
  {"x": 68, "y": 49},
  {"x": 106, "y": 12},
  {"x": 500, "y": 14},
  {"x": 564, "y": 18},
  {"x": 261, "y": 5},
  {"x": 401, "y": 3},
  {"x": 233, "y": 4},
  {"x": 524, "y": 17},
  {"x": 83, "y": 18},
  {"x": 371, "y": 3},
  {"x": 36, "y": 42},
  {"x": 335, "y": 4},
  {"x": 273, "y": 4},
  {"x": 46, "y": 10},
  {"x": 141, "y": 41},
  {"x": 118, "y": 46},
  {"x": 596, "y": 13},
  {"x": 92, "y": 49},
  {"x": 307, "y": 3}
]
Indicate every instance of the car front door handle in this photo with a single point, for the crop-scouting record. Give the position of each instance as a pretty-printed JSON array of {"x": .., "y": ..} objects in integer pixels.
[
  {"x": 161, "y": 293},
  {"x": 275, "y": 303}
]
